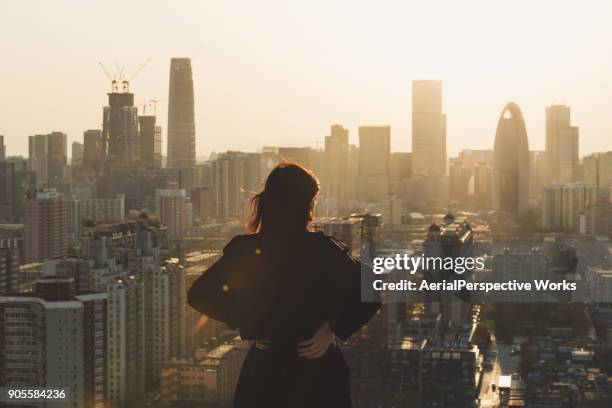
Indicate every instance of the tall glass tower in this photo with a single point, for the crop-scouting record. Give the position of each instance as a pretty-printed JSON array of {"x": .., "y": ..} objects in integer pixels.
[{"x": 181, "y": 120}]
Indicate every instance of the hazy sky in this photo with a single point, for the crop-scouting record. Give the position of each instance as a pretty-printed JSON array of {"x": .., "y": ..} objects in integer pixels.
[{"x": 280, "y": 72}]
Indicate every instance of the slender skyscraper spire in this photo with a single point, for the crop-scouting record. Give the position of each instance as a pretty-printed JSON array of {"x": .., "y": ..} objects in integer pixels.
[{"x": 181, "y": 122}]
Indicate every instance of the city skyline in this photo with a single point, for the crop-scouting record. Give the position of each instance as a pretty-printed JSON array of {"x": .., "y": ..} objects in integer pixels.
[{"x": 252, "y": 92}]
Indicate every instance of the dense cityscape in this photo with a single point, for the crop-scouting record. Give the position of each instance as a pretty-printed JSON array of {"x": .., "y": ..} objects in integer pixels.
[{"x": 98, "y": 249}]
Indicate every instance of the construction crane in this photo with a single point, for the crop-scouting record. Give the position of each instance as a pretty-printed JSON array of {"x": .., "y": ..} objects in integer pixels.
[
  {"x": 110, "y": 77},
  {"x": 120, "y": 77}
]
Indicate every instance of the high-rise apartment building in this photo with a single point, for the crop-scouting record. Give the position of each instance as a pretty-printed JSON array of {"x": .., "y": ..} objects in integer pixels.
[
  {"x": 181, "y": 116},
  {"x": 63, "y": 335},
  {"x": 150, "y": 142},
  {"x": 47, "y": 225},
  {"x": 428, "y": 129},
  {"x": 563, "y": 204},
  {"x": 120, "y": 143},
  {"x": 374, "y": 162},
  {"x": 561, "y": 145},
  {"x": 9, "y": 258},
  {"x": 231, "y": 178},
  {"x": 175, "y": 212},
  {"x": 126, "y": 342},
  {"x": 511, "y": 162}
]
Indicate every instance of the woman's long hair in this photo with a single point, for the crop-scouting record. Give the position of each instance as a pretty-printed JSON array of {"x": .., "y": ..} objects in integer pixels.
[{"x": 286, "y": 203}]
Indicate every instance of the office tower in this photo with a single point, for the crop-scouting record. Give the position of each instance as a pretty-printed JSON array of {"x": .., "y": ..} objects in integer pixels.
[
  {"x": 562, "y": 205},
  {"x": 181, "y": 117},
  {"x": 511, "y": 162},
  {"x": 400, "y": 166},
  {"x": 120, "y": 145},
  {"x": 48, "y": 157},
  {"x": 16, "y": 183},
  {"x": 126, "y": 342},
  {"x": 471, "y": 157},
  {"x": 92, "y": 148},
  {"x": 9, "y": 261},
  {"x": 428, "y": 129},
  {"x": 57, "y": 157},
  {"x": 57, "y": 339},
  {"x": 175, "y": 212},
  {"x": 150, "y": 142},
  {"x": 77, "y": 153},
  {"x": 598, "y": 170},
  {"x": 561, "y": 145},
  {"x": 230, "y": 172},
  {"x": 47, "y": 223},
  {"x": 138, "y": 184},
  {"x": 374, "y": 162},
  {"x": 37, "y": 157},
  {"x": 2, "y": 148},
  {"x": 337, "y": 165}
]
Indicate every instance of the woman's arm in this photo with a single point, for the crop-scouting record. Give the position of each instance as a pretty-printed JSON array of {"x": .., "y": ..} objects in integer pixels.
[
  {"x": 212, "y": 295},
  {"x": 350, "y": 313}
]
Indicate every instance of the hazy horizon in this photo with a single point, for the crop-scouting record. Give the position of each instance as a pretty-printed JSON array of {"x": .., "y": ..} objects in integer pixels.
[{"x": 280, "y": 73}]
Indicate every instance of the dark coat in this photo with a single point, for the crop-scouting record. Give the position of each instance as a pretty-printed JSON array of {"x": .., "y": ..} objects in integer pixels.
[{"x": 282, "y": 291}]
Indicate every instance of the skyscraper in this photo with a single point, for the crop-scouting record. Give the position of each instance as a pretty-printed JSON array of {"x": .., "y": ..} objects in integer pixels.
[
  {"x": 181, "y": 117},
  {"x": 428, "y": 129},
  {"x": 37, "y": 157},
  {"x": 57, "y": 157},
  {"x": 92, "y": 148},
  {"x": 77, "y": 153},
  {"x": 374, "y": 162},
  {"x": 561, "y": 145},
  {"x": 337, "y": 163},
  {"x": 150, "y": 142},
  {"x": 511, "y": 162},
  {"x": 48, "y": 157},
  {"x": 2, "y": 148},
  {"x": 120, "y": 144}
]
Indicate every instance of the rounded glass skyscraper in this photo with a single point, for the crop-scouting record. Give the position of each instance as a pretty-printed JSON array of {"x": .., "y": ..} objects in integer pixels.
[{"x": 511, "y": 162}]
